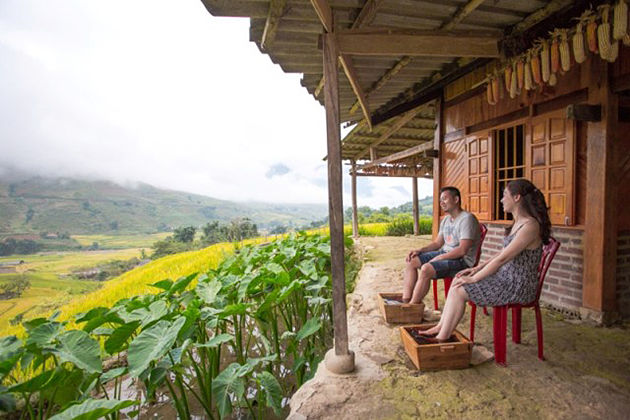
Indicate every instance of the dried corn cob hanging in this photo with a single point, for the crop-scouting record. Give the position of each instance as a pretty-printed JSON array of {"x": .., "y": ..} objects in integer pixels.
[
  {"x": 626, "y": 40},
  {"x": 553, "y": 79},
  {"x": 507, "y": 73},
  {"x": 555, "y": 53},
  {"x": 513, "y": 83},
  {"x": 528, "y": 73},
  {"x": 565, "y": 52},
  {"x": 591, "y": 31},
  {"x": 520, "y": 66},
  {"x": 578, "y": 44},
  {"x": 614, "y": 52},
  {"x": 544, "y": 60},
  {"x": 603, "y": 33},
  {"x": 620, "y": 20},
  {"x": 535, "y": 65},
  {"x": 495, "y": 89}
]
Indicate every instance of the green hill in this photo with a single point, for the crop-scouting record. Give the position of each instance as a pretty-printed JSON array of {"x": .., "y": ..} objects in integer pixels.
[{"x": 35, "y": 204}]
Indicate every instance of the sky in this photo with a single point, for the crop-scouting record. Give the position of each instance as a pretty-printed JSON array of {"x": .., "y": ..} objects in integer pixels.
[{"x": 161, "y": 92}]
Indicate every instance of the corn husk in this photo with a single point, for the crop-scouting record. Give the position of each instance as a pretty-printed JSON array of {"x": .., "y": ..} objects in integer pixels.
[
  {"x": 591, "y": 35},
  {"x": 578, "y": 44},
  {"x": 555, "y": 55},
  {"x": 520, "y": 73},
  {"x": 535, "y": 66},
  {"x": 507, "y": 74},
  {"x": 513, "y": 83},
  {"x": 620, "y": 20},
  {"x": 603, "y": 33},
  {"x": 565, "y": 51},
  {"x": 545, "y": 69},
  {"x": 553, "y": 79},
  {"x": 614, "y": 52},
  {"x": 528, "y": 74}
]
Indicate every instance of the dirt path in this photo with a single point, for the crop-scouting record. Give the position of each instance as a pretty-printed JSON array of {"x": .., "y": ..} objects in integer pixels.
[{"x": 586, "y": 374}]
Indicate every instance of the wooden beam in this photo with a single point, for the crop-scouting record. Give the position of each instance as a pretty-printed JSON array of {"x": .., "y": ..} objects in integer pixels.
[
  {"x": 598, "y": 286},
  {"x": 461, "y": 14},
  {"x": 335, "y": 198},
  {"x": 366, "y": 16},
  {"x": 584, "y": 112},
  {"x": 276, "y": 11},
  {"x": 620, "y": 83},
  {"x": 396, "y": 171},
  {"x": 414, "y": 205},
  {"x": 324, "y": 12},
  {"x": 540, "y": 15},
  {"x": 404, "y": 119},
  {"x": 348, "y": 68},
  {"x": 417, "y": 43},
  {"x": 437, "y": 163},
  {"x": 355, "y": 213},
  {"x": 402, "y": 63},
  {"x": 415, "y": 150},
  {"x": 433, "y": 153}
]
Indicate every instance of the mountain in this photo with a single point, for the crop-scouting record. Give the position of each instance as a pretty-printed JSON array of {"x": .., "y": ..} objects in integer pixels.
[{"x": 36, "y": 204}]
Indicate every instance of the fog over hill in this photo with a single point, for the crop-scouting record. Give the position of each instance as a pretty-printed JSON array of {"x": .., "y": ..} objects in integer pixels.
[{"x": 36, "y": 204}]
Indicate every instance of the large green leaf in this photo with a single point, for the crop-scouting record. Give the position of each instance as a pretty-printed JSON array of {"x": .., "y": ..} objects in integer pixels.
[
  {"x": 311, "y": 327},
  {"x": 78, "y": 348},
  {"x": 152, "y": 344},
  {"x": 273, "y": 391},
  {"x": 216, "y": 340},
  {"x": 182, "y": 283},
  {"x": 117, "y": 340},
  {"x": 92, "y": 409},
  {"x": 208, "y": 291},
  {"x": 112, "y": 374},
  {"x": 37, "y": 383},
  {"x": 10, "y": 352},
  {"x": 155, "y": 311},
  {"x": 43, "y": 334},
  {"x": 7, "y": 401},
  {"x": 228, "y": 384},
  {"x": 163, "y": 284}
]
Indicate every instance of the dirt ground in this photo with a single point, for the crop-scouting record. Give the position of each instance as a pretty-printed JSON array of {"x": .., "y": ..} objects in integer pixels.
[{"x": 586, "y": 373}]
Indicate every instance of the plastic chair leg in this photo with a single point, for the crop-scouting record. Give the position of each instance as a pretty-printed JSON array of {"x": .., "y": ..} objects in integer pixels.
[
  {"x": 539, "y": 332},
  {"x": 473, "y": 313},
  {"x": 435, "y": 295},
  {"x": 500, "y": 332},
  {"x": 516, "y": 325},
  {"x": 447, "y": 286}
]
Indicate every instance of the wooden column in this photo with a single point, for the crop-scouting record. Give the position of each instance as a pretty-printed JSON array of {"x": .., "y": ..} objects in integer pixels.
[
  {"x": 355, "y": 214},
  {"x": 437, "y": 145},
  {"x": 414, "y": 206},
  {"x": 335, "y": 202},
  {"x": 600, "y": 256}
]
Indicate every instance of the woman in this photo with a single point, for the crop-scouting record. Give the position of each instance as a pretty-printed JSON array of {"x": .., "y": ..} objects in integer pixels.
[{"x": 510, "y": 276}]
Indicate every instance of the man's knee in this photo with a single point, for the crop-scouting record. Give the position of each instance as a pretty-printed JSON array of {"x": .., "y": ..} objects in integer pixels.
[
  {"x": 414, "y": 263},
  {"x": 427, "y": 271}
]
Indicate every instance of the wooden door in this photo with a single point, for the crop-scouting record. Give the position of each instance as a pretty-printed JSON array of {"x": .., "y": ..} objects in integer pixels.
[
  {"x": 478, "y": 196},
  {"x": 455, "y": 167},
  {"x": 550, "y": 163}
]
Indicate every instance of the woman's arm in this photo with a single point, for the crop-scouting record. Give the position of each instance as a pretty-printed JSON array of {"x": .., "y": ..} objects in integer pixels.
[{"x": 528, "y": 234}]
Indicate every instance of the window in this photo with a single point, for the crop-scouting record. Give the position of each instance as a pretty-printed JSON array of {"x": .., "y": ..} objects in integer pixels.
[{"x": 509, "y": 162}]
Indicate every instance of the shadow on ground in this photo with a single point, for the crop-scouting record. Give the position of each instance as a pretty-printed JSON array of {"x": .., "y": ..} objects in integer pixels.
[{"x": 586, "y": 374}]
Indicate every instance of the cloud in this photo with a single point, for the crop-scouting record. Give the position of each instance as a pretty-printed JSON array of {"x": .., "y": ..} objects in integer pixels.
[
  {"x": 86, "y": 92},
  {"x": 276, "y": 170}
]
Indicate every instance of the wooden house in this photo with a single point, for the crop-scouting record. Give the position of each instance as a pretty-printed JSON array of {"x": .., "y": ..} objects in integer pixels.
[{"x": 430, "y": 87}]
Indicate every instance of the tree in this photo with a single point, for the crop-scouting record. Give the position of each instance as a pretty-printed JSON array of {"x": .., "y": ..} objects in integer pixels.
[{"x": 185, "y": 234}]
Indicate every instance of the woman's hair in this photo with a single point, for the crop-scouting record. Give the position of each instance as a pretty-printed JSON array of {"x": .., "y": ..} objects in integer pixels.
[{"x": 533, "y": 201}]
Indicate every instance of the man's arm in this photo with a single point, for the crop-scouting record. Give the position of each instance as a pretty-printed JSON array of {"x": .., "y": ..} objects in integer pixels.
[{"x": 456, "y": 253}]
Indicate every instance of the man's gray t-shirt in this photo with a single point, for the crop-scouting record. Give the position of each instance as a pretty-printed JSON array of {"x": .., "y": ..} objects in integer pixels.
[{"x": 465, "y": 226}]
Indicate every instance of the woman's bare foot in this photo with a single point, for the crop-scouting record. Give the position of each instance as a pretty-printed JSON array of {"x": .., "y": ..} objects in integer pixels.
[{"x": 431, "y": 331}]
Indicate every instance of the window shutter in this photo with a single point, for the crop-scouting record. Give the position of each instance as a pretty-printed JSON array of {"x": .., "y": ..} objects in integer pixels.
[
  {"x": 478, "y": 197},
  {"x": 551, "y": 164}
]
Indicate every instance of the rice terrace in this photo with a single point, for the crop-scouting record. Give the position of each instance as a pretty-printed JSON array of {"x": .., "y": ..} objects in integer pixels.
[{"x": 314, "y": 209}]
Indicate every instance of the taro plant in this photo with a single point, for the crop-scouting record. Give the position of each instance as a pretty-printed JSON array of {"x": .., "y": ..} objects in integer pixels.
[{"x": 242, "y": 336}]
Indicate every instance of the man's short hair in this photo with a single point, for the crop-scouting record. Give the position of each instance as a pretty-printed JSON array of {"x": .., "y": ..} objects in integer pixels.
[{"x": 454, "y": 192}]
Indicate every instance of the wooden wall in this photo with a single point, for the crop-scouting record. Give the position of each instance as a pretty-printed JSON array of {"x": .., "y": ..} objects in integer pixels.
[{"x": 622, "y": 155}]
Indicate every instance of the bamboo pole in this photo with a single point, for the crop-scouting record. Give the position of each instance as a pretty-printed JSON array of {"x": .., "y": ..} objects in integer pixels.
[{"x": 414, "y": 192}]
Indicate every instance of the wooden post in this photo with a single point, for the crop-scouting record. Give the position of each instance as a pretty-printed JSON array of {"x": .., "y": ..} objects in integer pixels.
[
  {"x": 414, "y": 205},
  {"x": 335, "y": 197},
  {"x": 600, "y": 262},
  {"x": 437, "y": 145},
  {"x": 355, "y": 214}
]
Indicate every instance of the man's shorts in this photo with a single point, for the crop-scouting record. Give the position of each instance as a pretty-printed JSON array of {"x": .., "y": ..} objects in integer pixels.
[{"x": 443, "y": 268}]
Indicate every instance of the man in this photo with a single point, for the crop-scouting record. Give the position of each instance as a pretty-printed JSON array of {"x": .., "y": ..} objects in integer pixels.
[{"x": 453, "y": 250}]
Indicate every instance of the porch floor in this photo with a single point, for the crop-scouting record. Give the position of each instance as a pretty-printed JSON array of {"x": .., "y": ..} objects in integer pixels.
[{"x": 586, "y": 374}]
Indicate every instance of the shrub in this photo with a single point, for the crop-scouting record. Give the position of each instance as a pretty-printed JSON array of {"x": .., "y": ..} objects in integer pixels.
[{"x": 403, "y": 225}]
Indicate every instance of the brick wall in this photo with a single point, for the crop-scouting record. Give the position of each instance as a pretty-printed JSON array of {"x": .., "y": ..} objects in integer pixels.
[
  {"x": 563, "y": 284},
  {"x": 623, "y": 273}
]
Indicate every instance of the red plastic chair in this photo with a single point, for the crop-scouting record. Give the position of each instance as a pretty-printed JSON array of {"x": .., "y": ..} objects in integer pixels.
[
  {"x": 499, "y": 313},
  {"x": 483, "y": 230}
]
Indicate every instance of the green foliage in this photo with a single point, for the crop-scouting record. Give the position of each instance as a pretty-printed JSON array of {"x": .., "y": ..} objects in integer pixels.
[
  {"x": 266, "y": 311},
  {"x": 185, "y": 234},
  {"x": 236, "y": 230},
  {"x": 12, "y": 246},
  {"x": 403, "y": 225},
  {"x": 14, "y": 288}
]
